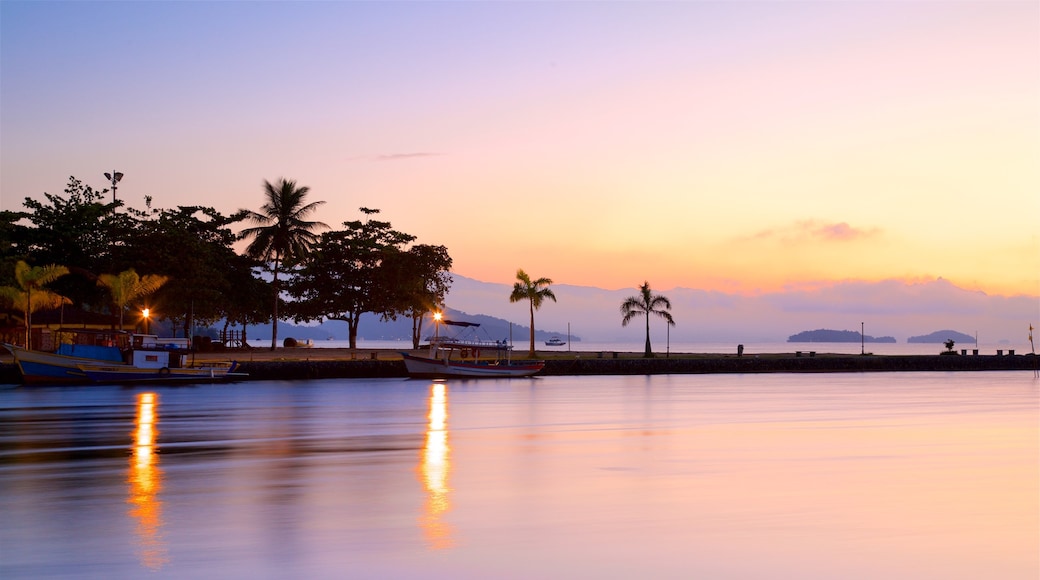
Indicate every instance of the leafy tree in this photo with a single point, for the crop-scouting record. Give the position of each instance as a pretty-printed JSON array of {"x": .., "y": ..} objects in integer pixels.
[
  {"x": 343, "y": 276},
  {"x": 11, "y": 232},
  {"x": 78, "y": 229},
  {"x": 535, "y": 292},
  {"x": 646, "y": 303},
  {"x": 282, "y": 234},
  {"x": 127, "y": 286},
  {"x": 251, "y": 296},
  {"x": 418, "y": 280},
  {"x": 31, "y": 295},
  {"x": 193, "y": 246}
]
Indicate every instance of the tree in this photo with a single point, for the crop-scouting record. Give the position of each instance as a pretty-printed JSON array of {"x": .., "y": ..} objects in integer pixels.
[
  {"x": 344, "y": 276},
  {"x": 78, "y": 229},
  {"x": 646, "y": 303},
  {"x": 282, "y": 234},
  {"x": 127, "y": 286},
  {"x": 251, "y": 298},
  {"x": 30, "y": 295},
  {"x": 193, "y": 247},
  {"x": 10, "y": 234},
  {"x": 418, "y": 281},
  {"x": 535, "y": 292}
]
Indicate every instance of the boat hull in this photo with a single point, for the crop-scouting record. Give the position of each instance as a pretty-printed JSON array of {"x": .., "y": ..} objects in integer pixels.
[
  {"x": 419, "y": 367},
  {"x": 43, "y": 368},
  {"x": 48, "y": 368},
  {"x": 126, "y": 373}
]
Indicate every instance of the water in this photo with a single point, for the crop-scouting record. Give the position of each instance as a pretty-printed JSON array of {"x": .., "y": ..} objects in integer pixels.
[
  {"x": 750, "y": 348},
  {"x": 877, "y": 475}
]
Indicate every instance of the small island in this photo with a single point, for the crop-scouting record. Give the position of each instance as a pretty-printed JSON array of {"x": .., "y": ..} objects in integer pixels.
[
  {"x": 826, "y": 335},
  {"x": 941, "y": 336}
]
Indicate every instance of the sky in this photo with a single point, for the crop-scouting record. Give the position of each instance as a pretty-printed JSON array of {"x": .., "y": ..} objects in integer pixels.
[{"x": 740, "y": 147}]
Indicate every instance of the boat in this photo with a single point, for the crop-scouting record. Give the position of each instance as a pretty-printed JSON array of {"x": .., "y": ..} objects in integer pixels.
[
  {"x": 555, "y": 341},
  {"x": 106, "y": 357},
  {"x": 129, "y": 373},
  {"x": 441, "y": 364},
  {"x": 432, "y": 368}
]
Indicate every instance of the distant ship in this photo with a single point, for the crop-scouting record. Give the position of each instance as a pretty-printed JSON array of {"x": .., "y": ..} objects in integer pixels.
[{"x": 555, "y": 341}]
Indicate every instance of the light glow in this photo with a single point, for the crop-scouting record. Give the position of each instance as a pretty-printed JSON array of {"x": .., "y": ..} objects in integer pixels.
[
  {"x": 434, "y": 467},
  {"x": 144, "y": 480}
]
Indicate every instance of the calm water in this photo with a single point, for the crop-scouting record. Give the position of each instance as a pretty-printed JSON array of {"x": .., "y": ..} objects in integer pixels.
[{"x": 916, "y": 475}]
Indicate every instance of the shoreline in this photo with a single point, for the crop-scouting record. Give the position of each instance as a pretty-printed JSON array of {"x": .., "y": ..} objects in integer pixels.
[{"x": 307, "y": 364}]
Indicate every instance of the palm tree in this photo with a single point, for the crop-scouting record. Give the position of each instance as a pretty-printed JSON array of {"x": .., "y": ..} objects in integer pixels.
[
  {"x": 281, "y": 234},
  {"x": 127, "y": 286},
  {"x": 646, "y": 303},
  {"x": 31, "y": 296},
  {"x": 534, "y": 291}
]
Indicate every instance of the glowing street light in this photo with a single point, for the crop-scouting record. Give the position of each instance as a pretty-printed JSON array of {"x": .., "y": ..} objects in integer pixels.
[
  {"x": 145, "y": 314},
  {"x": 114, "y": 177}
]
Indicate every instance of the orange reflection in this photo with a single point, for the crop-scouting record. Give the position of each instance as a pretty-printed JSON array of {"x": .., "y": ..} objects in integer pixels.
[
  {"x": 145, "y": 482},
  {"x": 434, "y": 467}
]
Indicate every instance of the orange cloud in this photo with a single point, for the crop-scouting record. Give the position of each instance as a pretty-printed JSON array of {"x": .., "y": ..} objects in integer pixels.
[{"x": 814, "y": 231}]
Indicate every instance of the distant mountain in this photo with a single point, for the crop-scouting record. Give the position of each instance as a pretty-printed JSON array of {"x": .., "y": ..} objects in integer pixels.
[
  {"x": 825, "y": 335},
  {"x": 371, "y": 328},
  {"x": 941, "y": 336},
  {"x": 899, "y": 307}
]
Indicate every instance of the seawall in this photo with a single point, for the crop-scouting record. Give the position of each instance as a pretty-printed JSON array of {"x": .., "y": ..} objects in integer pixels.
[{"x": 700, "y": 364}]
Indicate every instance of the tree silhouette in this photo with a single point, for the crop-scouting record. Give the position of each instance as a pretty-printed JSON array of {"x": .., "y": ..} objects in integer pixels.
[
  {"x": 127, "y": 286},
  {"x": 535, "y": 292},
  {"x": 646, "y": 303},
  {"x": 30, "y": 295},
  {"x": 282, "y": 233}
]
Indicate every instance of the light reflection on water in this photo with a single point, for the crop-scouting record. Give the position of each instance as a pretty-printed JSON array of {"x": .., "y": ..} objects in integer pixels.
[
  {"x": 145, "y": 482},
  {"x": 876, "y": 475},
  {"x": 435, "y": 467}
]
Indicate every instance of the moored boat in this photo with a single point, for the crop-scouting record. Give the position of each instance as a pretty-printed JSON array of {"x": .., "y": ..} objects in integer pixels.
[
  {"x": 115, "y": 357},
  {"x": 126, "y": 373},
  {"x": 440, "y": 364},
  {"x": 422, "y": 367}
]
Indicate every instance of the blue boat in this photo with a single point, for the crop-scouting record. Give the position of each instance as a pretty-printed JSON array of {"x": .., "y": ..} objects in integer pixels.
[{"x": 119, "y": 357}]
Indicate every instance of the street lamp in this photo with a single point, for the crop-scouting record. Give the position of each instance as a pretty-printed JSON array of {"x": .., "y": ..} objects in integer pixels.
[
  {"x": 145, "y": 313},
  {"x": 114, "y": 177}
]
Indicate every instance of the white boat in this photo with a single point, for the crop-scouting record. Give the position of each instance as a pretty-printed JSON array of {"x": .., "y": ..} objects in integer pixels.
[
  {"x": 440, "y": 364},
  {"x": 106, "y": 357},
  {"x": 422, "y": 367},
  {"x": 555, "y": 341}
]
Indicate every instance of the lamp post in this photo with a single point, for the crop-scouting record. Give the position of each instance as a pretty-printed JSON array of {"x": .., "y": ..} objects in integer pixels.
[
  {"x": 145, "y": 313},
  {"x": 862, "y": 340},
  {"x": 114, "y": 178}
]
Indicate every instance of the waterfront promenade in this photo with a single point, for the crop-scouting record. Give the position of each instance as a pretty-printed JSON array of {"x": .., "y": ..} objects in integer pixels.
[{"x": 320, "y": 363}]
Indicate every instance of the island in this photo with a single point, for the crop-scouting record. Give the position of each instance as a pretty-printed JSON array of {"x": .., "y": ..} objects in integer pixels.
[
  {"x": 826, "y": 335},
  {"x": 941, "y": 336}
]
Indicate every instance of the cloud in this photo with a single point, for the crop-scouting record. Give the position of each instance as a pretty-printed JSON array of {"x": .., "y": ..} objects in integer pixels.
[
  {"x": 403, "y": 156},
  {"x": 841, "y": 232},
  {"x": 814, "y": 231}
]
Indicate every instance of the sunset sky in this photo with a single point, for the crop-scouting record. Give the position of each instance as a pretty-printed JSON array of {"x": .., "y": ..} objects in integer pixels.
[{"x": 743, "y": 147}]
